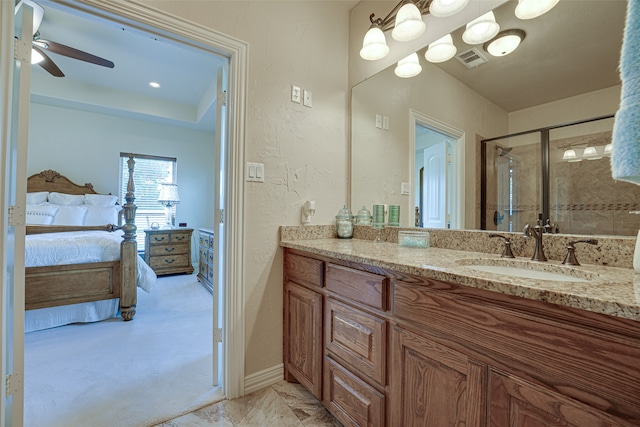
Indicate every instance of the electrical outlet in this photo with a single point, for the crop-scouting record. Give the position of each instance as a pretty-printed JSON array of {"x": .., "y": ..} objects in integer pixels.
[
  {"x": 295, "y": 94},
  {"x": 385, "y": 122},
  {"x": 404, "y": 188}
]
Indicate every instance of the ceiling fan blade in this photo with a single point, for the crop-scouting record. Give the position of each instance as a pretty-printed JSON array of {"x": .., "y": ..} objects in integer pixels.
[
  {"x": 71, "y": 52},
  {"x": 48, "y": 64}
]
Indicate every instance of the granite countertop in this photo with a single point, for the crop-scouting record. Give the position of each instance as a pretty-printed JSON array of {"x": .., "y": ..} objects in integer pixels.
[{"x": 613, "y": 291}]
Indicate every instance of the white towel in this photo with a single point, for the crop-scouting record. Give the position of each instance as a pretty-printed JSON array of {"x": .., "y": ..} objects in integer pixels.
[{"x": 625, "y": 155}]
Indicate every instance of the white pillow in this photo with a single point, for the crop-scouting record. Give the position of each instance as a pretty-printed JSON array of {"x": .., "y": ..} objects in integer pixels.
[
  {"x": 37, "y": 198},
  {"x": 101, "y": 215},
  {"x": 41, "y": 214},
  {"x": 100, "y": 199},
  {"x": 70, "y": 215},
  {"x": 63, "y": 199}
]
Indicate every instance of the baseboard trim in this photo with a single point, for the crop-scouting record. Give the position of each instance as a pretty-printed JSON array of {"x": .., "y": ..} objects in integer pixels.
[{"x": 263, "y": 378}]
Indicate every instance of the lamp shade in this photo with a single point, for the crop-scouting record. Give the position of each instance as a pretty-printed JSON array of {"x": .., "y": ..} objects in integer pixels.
[
  {"x": 505, "y": 42},
  {"x": 529, "y": 9},
  {"x": 441, "y": 50},
  {"x": 571, "y": 156},
  {"x": 444, "y": 8},
  {"x": 374, "y": 45},
  {"x": 607, "y": 149},
  {"x": 409, "y": 66},
  {"x": 481, "y": 29},
  {"x": 409, "y": 24},
  {"x": 169, "y": 194}
]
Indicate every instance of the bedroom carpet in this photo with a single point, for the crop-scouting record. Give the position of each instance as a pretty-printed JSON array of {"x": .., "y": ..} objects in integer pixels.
[{"x": 126, "y": 374}]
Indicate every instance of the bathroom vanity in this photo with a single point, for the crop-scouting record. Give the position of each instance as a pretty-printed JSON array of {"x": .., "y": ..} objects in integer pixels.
[{"x": 392, "y": 336}]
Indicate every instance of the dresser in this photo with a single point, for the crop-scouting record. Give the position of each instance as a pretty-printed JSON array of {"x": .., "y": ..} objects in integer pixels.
[
  {"x": 206, "y": 249},
  {"x": 168, "y": 251}
]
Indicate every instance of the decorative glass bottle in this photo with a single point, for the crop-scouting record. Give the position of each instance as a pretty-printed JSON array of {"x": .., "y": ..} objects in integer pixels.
[
  {"x": 364, "y": 217},
  {"x": 344, "y": 223}
]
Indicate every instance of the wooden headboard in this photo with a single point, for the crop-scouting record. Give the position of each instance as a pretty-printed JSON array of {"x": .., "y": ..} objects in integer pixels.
[{"x": 52, "y": 181}]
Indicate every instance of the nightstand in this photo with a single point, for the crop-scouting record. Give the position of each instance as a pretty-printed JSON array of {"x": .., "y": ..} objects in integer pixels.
[{"x": 168, "y": 251}]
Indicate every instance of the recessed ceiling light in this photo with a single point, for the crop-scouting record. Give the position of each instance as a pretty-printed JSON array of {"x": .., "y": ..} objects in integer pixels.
[{"x": 154, "y": 85}]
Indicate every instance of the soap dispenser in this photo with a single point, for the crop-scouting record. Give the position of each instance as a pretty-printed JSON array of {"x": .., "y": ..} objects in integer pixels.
[{"x": 344, "y": 223}]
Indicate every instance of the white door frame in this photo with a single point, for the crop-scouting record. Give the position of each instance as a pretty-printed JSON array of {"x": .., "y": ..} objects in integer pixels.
[
  {"x": 456, "y": 188},
  {"x": 149, "y": 19}
]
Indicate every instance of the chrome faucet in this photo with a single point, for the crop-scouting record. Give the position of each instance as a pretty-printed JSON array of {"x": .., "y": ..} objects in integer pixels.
[{"x": 536, "y": 231}]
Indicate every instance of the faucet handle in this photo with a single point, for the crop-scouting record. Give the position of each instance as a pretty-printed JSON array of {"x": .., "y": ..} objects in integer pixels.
[
  {"x": 570, "y": 258},
  {"x": 526, "y": 232},
  {"x": 507, "y": 253}
]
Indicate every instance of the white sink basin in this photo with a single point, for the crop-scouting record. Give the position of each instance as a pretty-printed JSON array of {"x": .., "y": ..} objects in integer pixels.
[
  {"x": 526, "y": 273},
  {"x": 529, "y": 269}
]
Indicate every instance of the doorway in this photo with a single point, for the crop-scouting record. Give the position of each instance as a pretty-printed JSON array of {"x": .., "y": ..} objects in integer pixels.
[
  {"x": 438, "y": 165},
  {"x": 231, "y": 163}
]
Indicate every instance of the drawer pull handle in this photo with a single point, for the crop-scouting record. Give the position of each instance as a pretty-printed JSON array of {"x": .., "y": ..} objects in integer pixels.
[
  {"x": 169, "y": 262},
  {"x": 169, "y": 249},
  {"x": 158, "y": 239},
  {"x": 179, "y": 237}
]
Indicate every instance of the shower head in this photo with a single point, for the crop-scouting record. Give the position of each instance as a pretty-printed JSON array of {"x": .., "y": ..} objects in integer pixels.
[{"x": 502, "y": 151}]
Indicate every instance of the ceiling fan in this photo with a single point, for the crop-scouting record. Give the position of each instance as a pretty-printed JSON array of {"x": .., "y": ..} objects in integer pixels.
[{"x": 40, "y": 45}]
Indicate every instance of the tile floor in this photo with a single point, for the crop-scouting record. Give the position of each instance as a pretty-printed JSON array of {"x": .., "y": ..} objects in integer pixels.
[{"x": 280, "y": 405}]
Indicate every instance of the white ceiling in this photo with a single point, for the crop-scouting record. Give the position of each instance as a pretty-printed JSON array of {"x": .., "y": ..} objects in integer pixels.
[{"x": 187, "y": 74}]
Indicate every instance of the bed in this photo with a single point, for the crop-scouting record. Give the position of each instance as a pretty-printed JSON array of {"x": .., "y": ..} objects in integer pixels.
[{"x": 76, "y": 270}]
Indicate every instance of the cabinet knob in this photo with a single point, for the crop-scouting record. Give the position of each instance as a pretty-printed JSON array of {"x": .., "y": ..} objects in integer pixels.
[
  {"x": 169, "y": 249},
  {"x": 169, "y": 261},
  {"x": 158, "y": 239}
]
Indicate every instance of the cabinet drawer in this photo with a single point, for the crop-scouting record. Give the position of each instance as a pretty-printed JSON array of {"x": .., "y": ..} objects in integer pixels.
[
  {"x": 367, "y": 288},
  {"x": 180, "y": 237},
  {"x": 210, "y": 256},
  {"x": 203, "y": 269},
  {"x": 358, "y": 338},
  {"x": 204, "y": 240},
  {"x": 210, "y": 273},
  {"x": 169, "y": 261},
  {"x": 303, "y": 270},
  {"x": 156, "y": 238},
  {"x": 351, "y": 400},
  {"x": 169, "y": 249}
]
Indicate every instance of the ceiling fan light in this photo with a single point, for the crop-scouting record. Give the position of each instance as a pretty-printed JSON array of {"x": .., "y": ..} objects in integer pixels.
[
  {"x": 481, "y": 29},
  {"x": 529, "y": 9},
  {"x": 36, "y": 57},
  {"x": 374, "y": 45},
  {"x": 408, "y": 67},
  {"x": 444, "y": 8},
  {"x": 409, "y": 24},
  {"x": 441, "y": 50},
  {"x": 505, "y": 42}
]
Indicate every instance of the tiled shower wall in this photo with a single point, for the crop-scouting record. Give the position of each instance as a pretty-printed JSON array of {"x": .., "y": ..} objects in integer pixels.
[{"x": 584, "y": 198}]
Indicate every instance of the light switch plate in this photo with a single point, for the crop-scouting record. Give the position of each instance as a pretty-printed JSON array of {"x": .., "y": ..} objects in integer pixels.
[
  {"x": 307, "y": 98},
  {"x": 404, "y": 189},
  {"x": 379, "y": 121},
  {"x": 255, "y": 172},
  {"x": 295, "y": 94}
]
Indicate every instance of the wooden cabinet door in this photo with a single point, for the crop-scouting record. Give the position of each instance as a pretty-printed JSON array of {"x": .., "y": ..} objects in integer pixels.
[
  {"x": 432, "y": 385},
  {"x": 303, "y": 336},
  {"x": 514, "y": 402}
]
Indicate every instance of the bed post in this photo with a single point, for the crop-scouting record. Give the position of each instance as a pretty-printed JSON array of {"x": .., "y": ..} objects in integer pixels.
[{"x": 129, "y": 251}]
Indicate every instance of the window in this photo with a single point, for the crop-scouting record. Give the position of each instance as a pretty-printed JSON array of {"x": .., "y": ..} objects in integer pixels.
[{"x": 149, "y": 172}]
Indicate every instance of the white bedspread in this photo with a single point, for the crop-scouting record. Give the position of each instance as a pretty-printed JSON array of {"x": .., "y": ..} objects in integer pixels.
[{"x": 77, "y": 247}]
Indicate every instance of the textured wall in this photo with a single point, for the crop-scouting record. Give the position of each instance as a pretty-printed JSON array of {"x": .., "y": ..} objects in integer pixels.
[{"x": 303, "y": 149}]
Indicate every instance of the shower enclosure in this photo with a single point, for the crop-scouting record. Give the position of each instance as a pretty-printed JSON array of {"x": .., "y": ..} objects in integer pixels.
[{"x": 561, "y": 172}]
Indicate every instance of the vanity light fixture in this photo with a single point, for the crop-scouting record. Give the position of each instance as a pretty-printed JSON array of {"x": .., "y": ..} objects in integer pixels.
[
  {"x": 529, "y": 9},
  {"x": 590, "y": 153},
  {"x": 505, "y": 42},
  {"x": 409, "y": 24},
  {"x": 408, "y": 67},
  {"x": 607, "y": 150},
  {"x": 444, "y": 8},
  {"x": 441, "y": 50},
  {"x": 481, "y": 29},
  {"x": 571, "y": 156},
  {"x": 374, "y": 45}
]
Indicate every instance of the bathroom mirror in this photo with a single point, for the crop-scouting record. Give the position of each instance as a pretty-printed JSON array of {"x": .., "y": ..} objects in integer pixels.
[{"x": 571, "y": 51}]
